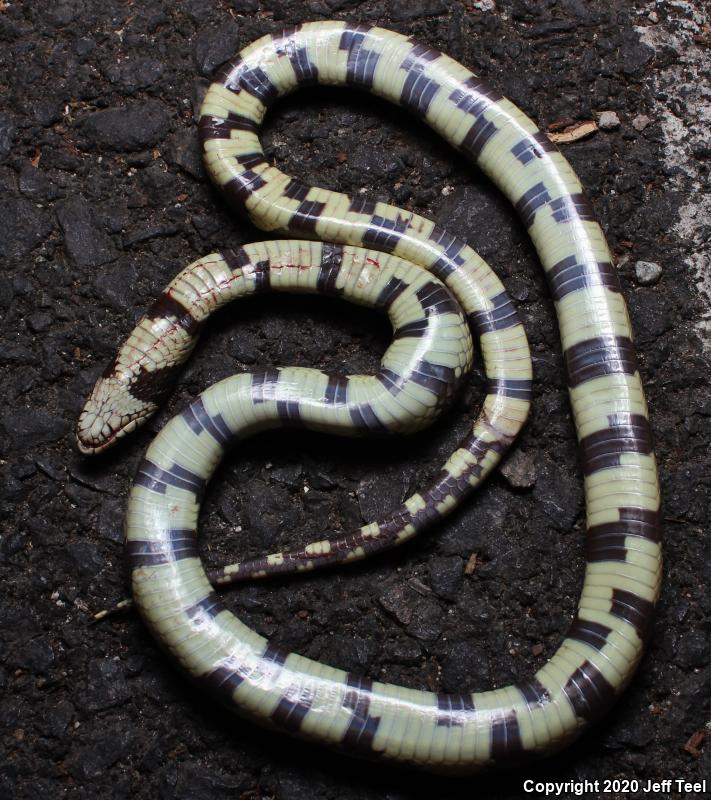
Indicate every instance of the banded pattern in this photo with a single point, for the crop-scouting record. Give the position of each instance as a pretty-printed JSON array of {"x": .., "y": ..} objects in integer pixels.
[
  {"x": 598, "y": 656},
  {"x": 418, "y": 375}
]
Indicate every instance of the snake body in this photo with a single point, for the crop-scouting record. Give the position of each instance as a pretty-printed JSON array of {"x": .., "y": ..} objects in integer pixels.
[{"x": 427, "y": 303}]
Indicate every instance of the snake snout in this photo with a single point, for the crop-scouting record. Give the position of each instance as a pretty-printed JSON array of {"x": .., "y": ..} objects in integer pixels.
[{"x": 110, "y": 412}]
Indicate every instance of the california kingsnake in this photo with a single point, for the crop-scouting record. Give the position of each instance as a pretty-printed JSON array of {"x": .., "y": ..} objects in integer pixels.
[{"x": 462, "y": 732}]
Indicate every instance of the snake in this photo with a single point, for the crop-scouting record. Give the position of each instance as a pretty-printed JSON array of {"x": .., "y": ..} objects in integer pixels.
[{"x": 434, "y": 288}]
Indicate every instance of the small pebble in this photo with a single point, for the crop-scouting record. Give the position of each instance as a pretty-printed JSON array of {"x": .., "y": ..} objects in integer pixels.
[
  {"x": 640, "y": 122},
  {"x": 124, "y": 129},
  {"x": 608, "y": 121},
  {"x": 397, "y": 601},
  {"x": 520, "y": 470},
  {"x": 647, "y": 273},
  {"x": 85, "y": 239}
]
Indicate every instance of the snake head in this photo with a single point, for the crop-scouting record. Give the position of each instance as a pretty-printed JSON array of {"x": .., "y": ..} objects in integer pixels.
[
  {"x": 137, "y": 381},
  {"x": 122, "y": 399}
]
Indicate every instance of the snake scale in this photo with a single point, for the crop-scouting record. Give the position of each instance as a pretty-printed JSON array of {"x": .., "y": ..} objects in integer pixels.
[{"x": 433, "y": 286}]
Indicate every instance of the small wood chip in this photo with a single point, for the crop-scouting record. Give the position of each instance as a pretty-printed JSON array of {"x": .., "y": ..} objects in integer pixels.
[
  {"x": 537, "y": 649},
  {"x": 471, "y": 564},
  {"x": 693, "y": 746},
  {"x": 572, "y": 133},
  {"x": 560, "y": 125}
]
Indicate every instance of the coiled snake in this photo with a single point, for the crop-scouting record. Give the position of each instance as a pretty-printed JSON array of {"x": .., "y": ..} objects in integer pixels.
[{"x": 428, "y": 296}]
